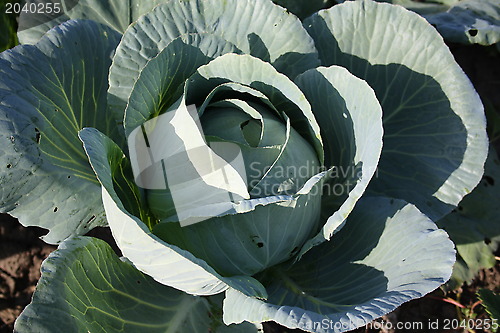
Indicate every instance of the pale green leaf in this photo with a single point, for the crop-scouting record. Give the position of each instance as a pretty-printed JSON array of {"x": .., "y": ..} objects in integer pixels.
[
  {"x": 435, "y": 140},
  {"x": 388, "y": 253},
  {"x": 48, "y": 92},
  {"x": 469, "y": 22},
  {"x": 460, "y": 21},
  {"x": 116, "y": 14},
  {"x": 350, "y": 119},
  {"x": 86, "y": 288}
]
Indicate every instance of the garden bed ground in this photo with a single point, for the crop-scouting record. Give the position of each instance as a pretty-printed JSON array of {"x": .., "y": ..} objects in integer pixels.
[{"x": 21, "y": 251}]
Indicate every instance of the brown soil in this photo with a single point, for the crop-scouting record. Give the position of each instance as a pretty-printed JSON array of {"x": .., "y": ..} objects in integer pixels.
[{"x": 21, "y": 253}]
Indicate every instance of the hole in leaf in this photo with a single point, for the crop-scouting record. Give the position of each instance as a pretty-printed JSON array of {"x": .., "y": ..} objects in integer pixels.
[
  {"x": 55, "y": 209},
  {"x": 9, "y": 166},
  {"x": 473, "y": 32},
  {"x": 37, "y": 135},
  {"x": 487, "y": 241},
  {"x": 260, "y": 244}
]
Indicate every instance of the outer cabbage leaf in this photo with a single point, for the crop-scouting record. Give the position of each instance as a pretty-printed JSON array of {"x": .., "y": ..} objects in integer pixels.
[
  {"x": 421, "y": 7},
  {"x": 166, "y": 263},
  {"x": 116, "y": 14},
  {"x": 435, "y": 140},
  {"x": 85, "y": 287},
  {"x": 469, "y": 21},
  {"x": 48, "y": 92},
  {"x": 350, "y": 119},
  {"x": 460, "y": 21},
  {"x": 256, "y": 27},
  {"x": 373, "y": 265},
  {"x": 475, "y": 225}
]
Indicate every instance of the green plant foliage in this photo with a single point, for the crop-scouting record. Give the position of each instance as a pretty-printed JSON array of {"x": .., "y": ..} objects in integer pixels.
[
  {"x": 352, "y": 137},
  {"x": 491, "y": 302},
  {"x": 86, "y": 287},
  {"x": 8, "y": 37},
  {"x": 460, "y": 21}
]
